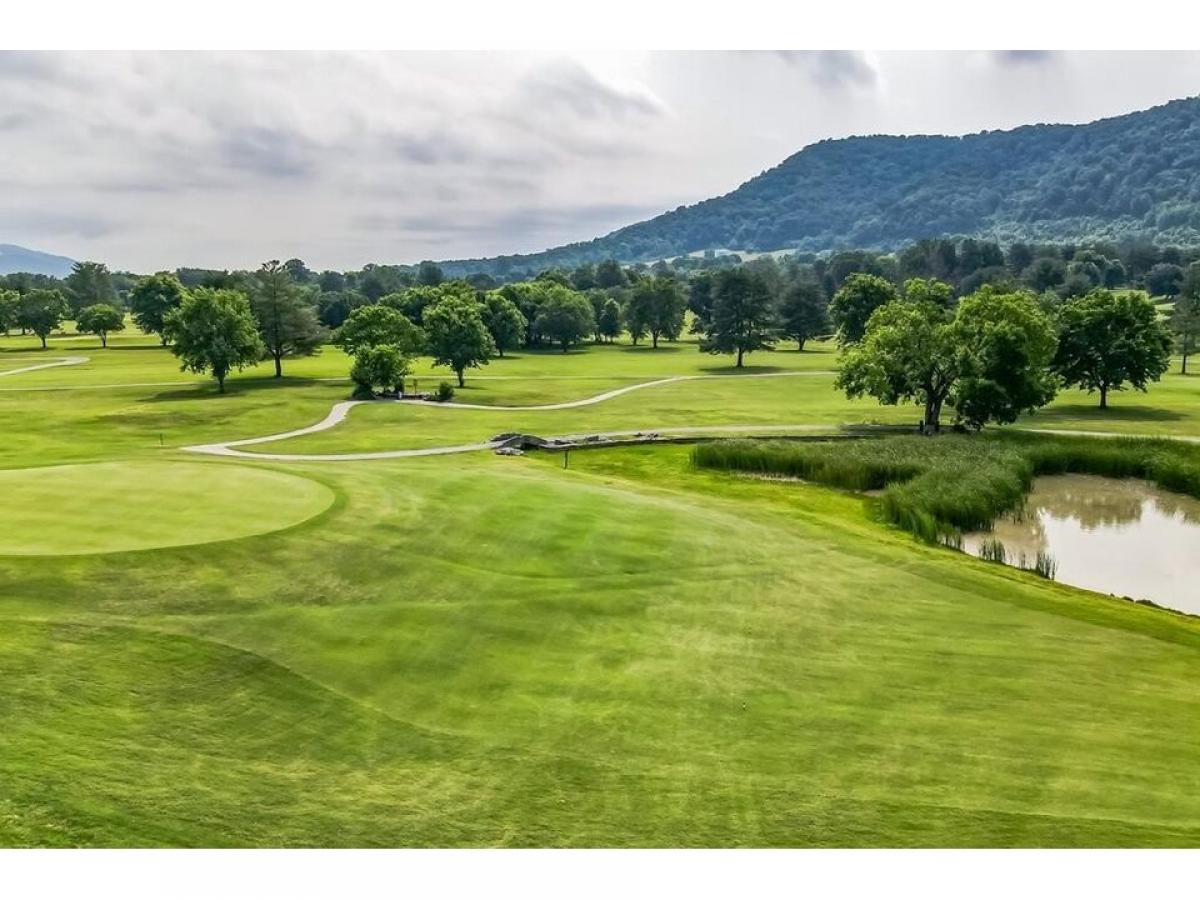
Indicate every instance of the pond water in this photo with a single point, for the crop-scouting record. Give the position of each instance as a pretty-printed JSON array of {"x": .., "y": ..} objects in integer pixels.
[{"x": 1123, "y": 537}]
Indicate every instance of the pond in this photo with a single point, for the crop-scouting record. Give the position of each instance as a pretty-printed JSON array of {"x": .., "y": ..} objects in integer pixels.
[{"x": 1123, "y": 537}]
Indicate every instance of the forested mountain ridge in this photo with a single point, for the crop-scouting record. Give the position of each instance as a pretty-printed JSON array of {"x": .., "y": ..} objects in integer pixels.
[
  {"x": 22, "y": 259},
  {"x": 1131, "y": 175}
]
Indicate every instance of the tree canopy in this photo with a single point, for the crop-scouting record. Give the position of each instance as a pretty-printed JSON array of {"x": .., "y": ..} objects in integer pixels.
[
  {"x": 565, "y": 317},
  {"x": 100, "y": 319},
  {"x": 287, "y": 322},
  {"x": 1107, "y": 340},
  {"x": 374, "y": 326},
  {"x": 214, "y": 330},
  {"x": 457, "y": 336},
  {"x": 988, "y": 358},
  {"x": 659, "y": 304},
  {"x": 858, "y": 297},
  {"x": 742, "y": 319},
  {"x": 152, "y": 298}
]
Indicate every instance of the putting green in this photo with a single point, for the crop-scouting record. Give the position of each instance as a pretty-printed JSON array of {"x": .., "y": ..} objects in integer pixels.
[{"x": 109, "y": 507}]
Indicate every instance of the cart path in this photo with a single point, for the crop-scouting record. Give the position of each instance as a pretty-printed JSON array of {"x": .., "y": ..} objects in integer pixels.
[
  {"x": 340, "y": 410},
  {"x": 62, "y": 361}
]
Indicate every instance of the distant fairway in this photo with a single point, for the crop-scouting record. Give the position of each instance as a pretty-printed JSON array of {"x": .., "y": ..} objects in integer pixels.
[{"x": 106, "y": 507}]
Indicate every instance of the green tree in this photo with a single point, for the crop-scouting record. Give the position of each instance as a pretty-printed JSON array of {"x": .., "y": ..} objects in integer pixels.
[
  {"x": 41, "y": 311},
  {"x": 609, "y": 274},
  {"x": 1005, "y": 343},
  {"x": 152, "y": 298},
  {"x": 1185, "y": 323},
  {"x": 859, "y": 296},
  {"x": 1107, "y": 340},
  {"x": 803, "y": 313},
  {"x": 214, "y": 331},
  {"x": 659, "y": 304},
  {"x": 374, "y": 326},
  {"x": 1164, "y": 280},
  {"x": 287, "y": 323},
  {"x": 430, "y": 274},
  {"x": 504, "y": 321},
  {"x": 929, "y": 290},
  {"x": 988, "y": 358},
  {"x": 100, "y": 319},
  {"x": 10, "y": 309},
  {"x": 457, "y": 335},
  {"x": 565, "y": 317},
  {"x": 610, "y": 320},
  {"x": 88, "y": 284},
  {"x": 382, "y": 366},
  {"x": 743, "y": 320}
]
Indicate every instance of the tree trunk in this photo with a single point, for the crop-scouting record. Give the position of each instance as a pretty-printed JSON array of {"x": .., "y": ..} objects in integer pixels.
[
  {"x": 104, "y": 340},
  {"x": 1183, "y": 368},
  {"x": 1104, "y": 396},
  {"x": 933, "y": 416},
  {"x": 800, "y": 347},
  {"x": 654, "y": 340},
  {"x": 500, "y": 350},
  {"x": 739, "y": 357},
  {"x": 43, "y": 337},
  {"x": 459, "y": 373},
  {"x": 278, "y": 365},
  {"x": 220, "y": 384}
]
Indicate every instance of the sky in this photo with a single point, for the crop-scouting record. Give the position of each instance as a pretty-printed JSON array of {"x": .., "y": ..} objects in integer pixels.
[{"x": 150, "y": 161}]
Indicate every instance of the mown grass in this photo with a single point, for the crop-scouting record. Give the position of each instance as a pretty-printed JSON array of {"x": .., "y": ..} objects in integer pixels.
[
  {"x": 489, "y": 651},
  {"x": 939, "y": 487}
]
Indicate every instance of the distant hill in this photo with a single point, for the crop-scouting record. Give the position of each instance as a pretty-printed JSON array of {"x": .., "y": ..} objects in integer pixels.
[
  {"x": 1133, "y": 175},
  {"x": 21, "y": 259}
]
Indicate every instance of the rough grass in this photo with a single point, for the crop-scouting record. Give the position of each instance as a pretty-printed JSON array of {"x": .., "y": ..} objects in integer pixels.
[{"x": 938, "y": 487}]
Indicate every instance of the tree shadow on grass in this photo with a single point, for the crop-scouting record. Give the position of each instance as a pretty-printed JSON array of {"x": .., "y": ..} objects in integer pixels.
[
  {"x": 236, "y": 388},
  {"x": 1114, "y": 413},
  {"x": 731, "y": 369}
]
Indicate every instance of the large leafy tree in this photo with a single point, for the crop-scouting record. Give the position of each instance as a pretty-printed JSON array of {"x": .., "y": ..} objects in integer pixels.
[
  {"x": 803, "y": 312},
  {"x": 41, "y": 311},
  {"x": 504, "y": 321},
  {"x": 89, "y": 283},
  {"x": 742, "y": 319},
  {"x": 565, "y": 317},
  {"x": 287, "y": 322},
  {"x": 100, "y": 319},
  {"x": 1107, "y": 340},
  {"x": 383, "y": 366},
  {"x": 152, "y": 299},
  {"x": 214, "y": 330},
  {"x": 660, "y": 304},
  {"x": 858, "y": 297},
  {"x": 374, "y": 326},
  {"x": 1005, "y": 343},
  {"x": 988, "y": 358},
  {"x": 457, "y": 336}
]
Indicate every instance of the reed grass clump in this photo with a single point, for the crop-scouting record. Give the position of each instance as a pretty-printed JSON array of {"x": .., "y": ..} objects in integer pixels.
[{"x": 938, "y": 487}]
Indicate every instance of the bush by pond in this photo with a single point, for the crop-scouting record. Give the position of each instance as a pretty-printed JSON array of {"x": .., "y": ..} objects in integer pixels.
[{"x": 939, "y": 487}]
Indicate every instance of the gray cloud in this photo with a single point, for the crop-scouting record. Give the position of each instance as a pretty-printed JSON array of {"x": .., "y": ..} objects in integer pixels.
[
  {"x": 272, "y": 152},
  {"x": 570, "y": 87},
  {"x": 832, "y": 68},
  {"x": 1025, "y": 57}
]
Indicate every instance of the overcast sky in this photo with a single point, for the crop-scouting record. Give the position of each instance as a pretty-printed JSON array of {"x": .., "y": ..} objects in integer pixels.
[{"x": 149, "y": 161}]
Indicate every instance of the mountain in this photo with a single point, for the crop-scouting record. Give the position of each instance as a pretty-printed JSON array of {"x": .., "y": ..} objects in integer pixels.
[
  {"x": 1132, "y": 175},
  {"x": 20, "y": 259}
]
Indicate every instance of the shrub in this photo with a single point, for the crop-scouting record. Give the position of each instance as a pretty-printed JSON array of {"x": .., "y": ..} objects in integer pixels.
[{"x": 445, "y": 392}]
